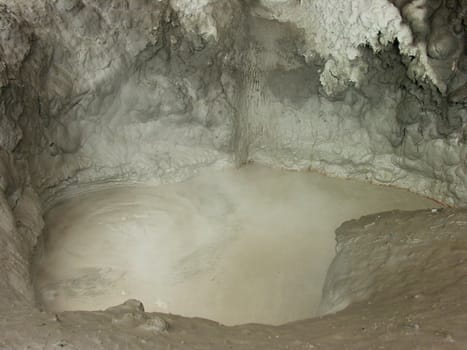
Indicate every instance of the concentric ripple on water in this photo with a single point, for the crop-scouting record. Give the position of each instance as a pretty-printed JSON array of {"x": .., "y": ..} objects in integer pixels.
[{"x": 236, "y": 246}]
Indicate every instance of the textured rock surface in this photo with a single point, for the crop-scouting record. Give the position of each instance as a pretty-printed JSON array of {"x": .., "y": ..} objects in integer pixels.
[
  {"x": 129, "y": 91},
  {"x": 368, "y": 113},
  {"x": 121, "y": 94}
]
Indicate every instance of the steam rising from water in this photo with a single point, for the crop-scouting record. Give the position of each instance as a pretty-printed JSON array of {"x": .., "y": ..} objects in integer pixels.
[{"x": 236, "y": 246}]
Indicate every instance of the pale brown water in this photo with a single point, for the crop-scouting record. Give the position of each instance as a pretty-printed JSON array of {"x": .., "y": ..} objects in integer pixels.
[{"x": 236, "y": 246}]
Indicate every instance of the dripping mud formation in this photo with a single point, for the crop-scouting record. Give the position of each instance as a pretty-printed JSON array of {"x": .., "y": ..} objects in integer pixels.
[{"x": 107, "y": 106}]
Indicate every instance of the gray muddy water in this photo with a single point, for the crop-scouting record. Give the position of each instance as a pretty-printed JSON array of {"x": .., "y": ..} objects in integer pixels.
[{"x": 236, "y": 246}]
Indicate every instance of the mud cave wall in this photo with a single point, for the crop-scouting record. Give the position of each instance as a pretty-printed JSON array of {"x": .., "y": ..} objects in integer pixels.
[{"x": 140, "y": 90}]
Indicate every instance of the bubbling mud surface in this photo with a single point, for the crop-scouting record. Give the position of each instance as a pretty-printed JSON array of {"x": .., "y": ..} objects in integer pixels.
[{"x": 236, "y": 246}]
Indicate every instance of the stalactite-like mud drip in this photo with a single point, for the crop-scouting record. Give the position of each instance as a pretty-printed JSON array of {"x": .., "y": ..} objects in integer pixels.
[{"x": 440, "y": 25}]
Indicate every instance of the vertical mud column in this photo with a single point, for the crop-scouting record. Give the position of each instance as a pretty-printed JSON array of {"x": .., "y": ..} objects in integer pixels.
[
  {"x": 251, "y": 99},
  {"x": 263, "y": 54}
]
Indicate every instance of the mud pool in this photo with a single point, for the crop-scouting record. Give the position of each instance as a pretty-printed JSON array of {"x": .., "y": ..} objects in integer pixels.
[{"x": 236, "y": 246}]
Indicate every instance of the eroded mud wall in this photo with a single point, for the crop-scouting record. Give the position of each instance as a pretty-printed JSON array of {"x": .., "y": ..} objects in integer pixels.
[
  {"x": 124, "y": 91},
  {"x": 361, "y": 89}
]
